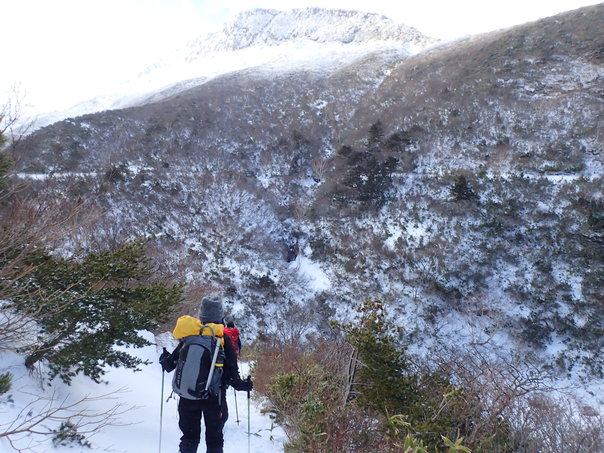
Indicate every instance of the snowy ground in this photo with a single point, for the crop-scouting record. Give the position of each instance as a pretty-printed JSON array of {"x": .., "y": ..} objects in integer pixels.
[{"x": 136, "y": 399}]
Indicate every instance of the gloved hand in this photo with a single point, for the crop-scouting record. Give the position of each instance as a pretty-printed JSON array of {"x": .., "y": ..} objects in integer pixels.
[
  {"x": 164, "y": 359},
  {"x": 243, "y": 386}
]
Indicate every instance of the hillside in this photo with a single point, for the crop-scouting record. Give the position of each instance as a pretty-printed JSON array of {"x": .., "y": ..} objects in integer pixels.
[{"x": 461, "y": 185}]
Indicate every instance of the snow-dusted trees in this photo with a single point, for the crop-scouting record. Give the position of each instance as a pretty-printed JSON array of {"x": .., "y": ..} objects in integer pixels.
[{"x": 72, "y": 313}]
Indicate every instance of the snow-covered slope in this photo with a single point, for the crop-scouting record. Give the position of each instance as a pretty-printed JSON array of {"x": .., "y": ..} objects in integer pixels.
[
  {"x": 123, "y": 414},
  {"x": 311, "y": 38}
]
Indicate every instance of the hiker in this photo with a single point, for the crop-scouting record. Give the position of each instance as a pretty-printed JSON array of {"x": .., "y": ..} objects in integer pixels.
[
  {"x": 213, "y": 407},
  {"x": 233, "y": 333}
]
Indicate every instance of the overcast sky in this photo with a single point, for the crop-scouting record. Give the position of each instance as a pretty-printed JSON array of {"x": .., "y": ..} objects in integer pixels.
[{"x": 56, "y": 51}]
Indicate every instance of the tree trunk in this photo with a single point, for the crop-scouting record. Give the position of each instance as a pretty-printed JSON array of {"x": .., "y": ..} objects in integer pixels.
[{"x": 35, "y": 357}]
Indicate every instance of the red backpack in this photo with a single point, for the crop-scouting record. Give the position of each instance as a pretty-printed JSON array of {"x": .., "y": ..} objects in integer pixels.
[{"x": 233, "y": 333}]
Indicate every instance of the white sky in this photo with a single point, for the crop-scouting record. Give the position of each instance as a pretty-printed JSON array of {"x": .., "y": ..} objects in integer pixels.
[{"x": 57, "y": 52}]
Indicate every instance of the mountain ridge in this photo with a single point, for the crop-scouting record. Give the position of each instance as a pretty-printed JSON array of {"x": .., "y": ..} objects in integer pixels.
[
  {"x": 271, "y": 27},
  {"x": 282, "y": 39}
]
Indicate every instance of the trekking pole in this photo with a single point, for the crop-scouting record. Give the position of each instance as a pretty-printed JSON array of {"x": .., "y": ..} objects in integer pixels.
[
  {"x": 249, "y": 432},
  {"x": 236, "y": 409},
  {"x": 161, "y": 406}
]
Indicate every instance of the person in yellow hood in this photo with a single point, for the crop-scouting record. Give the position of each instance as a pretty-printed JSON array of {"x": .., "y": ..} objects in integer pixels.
[{"x": 213, "y": 410}]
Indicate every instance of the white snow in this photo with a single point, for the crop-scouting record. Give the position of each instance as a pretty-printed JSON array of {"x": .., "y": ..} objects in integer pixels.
[
  {"x": 137, "y": 398},
  {"x": 563, "y": 274},
  {"x": 61, "y": 175},
  {"x": 317, "y": 279},
  {"x": 395, "y": 234}
]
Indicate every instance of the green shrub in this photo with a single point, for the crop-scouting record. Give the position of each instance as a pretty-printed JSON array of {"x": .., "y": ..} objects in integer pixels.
[
  {"x": 5, "y": 164},
  {"x": 68, "y": 435},
  {"x": 5, "y": 382},
  {"x": 307, "y": 395}
]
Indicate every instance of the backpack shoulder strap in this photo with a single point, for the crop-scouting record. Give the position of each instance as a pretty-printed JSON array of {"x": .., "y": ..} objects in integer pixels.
[{"x": 206, "y": 326}]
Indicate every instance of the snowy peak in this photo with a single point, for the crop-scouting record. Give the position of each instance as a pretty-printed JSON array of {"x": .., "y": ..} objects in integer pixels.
[
  {"x": 305, "y": 39},
  {"x": 267, "y": 27},
  {"x": 310, "y": 39}
]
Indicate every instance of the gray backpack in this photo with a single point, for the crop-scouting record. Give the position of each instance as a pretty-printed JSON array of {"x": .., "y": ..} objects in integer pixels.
[{"x": 199, "y": 369}]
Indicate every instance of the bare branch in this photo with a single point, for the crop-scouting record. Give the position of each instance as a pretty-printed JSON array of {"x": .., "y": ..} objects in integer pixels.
[{"x": 33, "y": 418}]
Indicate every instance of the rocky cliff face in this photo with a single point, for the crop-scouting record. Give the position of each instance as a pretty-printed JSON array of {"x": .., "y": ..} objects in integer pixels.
[
  {"x": 273, "y": 28},
  {"x": 462, "y": 185}
]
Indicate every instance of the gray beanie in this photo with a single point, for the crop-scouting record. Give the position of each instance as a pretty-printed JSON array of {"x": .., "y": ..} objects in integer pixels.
[{"x": 210, "y": 309}]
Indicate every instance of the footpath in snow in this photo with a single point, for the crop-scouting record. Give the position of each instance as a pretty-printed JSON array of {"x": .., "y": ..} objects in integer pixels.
[{"x": 135, "y": 428}]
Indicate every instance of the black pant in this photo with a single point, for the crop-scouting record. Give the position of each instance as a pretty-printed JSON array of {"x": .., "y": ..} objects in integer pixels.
[{"x": 215, "y": 415}]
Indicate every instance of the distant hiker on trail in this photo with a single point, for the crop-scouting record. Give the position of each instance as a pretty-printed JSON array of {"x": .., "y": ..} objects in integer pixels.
[
  {"x": 233, "y": 333},
  {"x": 206, "y": 364}
]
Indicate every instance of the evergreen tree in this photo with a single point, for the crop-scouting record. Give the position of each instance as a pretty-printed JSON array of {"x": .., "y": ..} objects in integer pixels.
[
  {"x": 87, "y": 309},
  {"x": 376, "y": 136},
  {"x": 383, "y": 381},
  {"x": 386, "y": 383},
  {"x": 371, "y": 179},
  {"x": 5, "y": 383},
  {"x": 461, "y": 189},
  {"x": 398, "y": 141}
]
